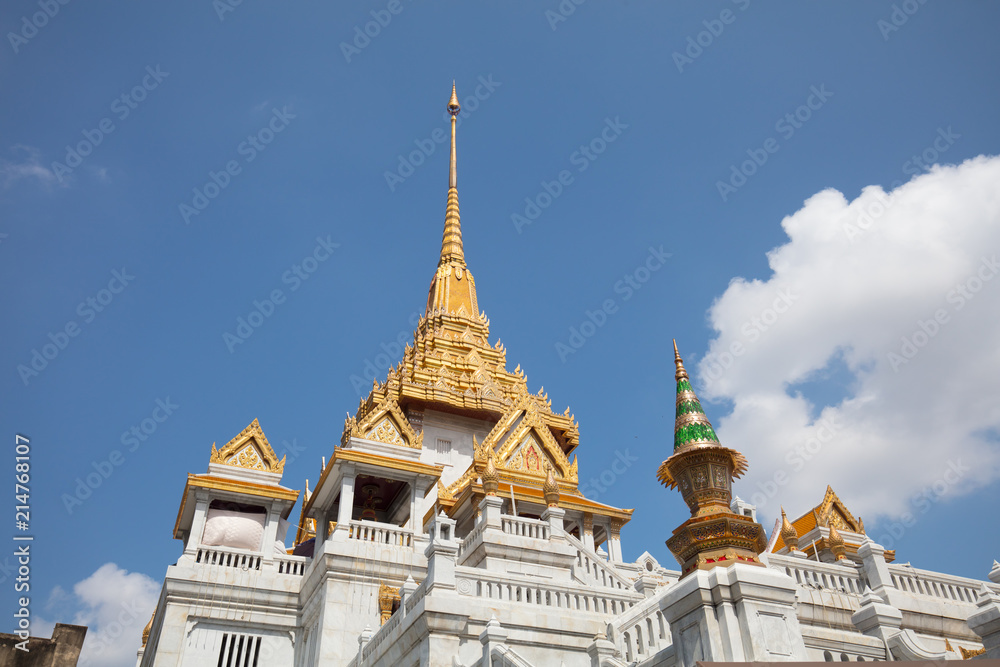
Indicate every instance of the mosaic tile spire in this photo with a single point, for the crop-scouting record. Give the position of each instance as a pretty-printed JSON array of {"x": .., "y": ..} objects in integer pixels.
[{"x": 691, "y": 426}]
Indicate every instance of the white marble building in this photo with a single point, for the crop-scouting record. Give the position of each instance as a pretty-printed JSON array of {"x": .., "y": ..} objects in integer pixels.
[{"x": 448, "y": 529}]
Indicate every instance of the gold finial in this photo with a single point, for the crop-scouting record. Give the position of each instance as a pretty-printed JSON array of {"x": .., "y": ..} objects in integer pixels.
[
  {"x": 551, "y": 489},
  {"x": 453, "y": 106},
  {"x": 491, "y": 477},
  {"x": 681, "y": 373},
  {"x": 451, "y": 244},
  {"x": 788, "y": 534},
  {"x": 836, "y": 541},
  {"x": 146, "y": 630}
]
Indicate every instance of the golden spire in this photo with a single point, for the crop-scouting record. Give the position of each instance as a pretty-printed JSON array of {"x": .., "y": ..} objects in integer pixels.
[
  {"x": 451, "y": 244},
  {"x": 453, "y": 289},
  {"x": 788, "y": 534},
  {"x": 681, "y": 372}
]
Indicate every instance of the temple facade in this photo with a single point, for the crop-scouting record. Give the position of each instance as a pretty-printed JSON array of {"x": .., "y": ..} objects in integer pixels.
[{"x": 447, "y": 528}]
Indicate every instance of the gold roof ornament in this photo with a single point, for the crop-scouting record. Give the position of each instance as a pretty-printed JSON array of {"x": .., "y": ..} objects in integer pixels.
[
  {"x": 967, "y": 654},
  {"x": 251, "y": 450},
  {"x": 788, "y": 534},
  {"x": 836, "y": 542},
  {"x": 149, "y": 628},
  {"x": 551, "y": 489},
  {"x": 491, "y": 477},
  {"x": 387, "y": 597}
]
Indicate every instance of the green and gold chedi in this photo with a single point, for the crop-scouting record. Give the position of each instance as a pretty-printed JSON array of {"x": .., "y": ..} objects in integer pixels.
[{"x": 704, "y": 470}]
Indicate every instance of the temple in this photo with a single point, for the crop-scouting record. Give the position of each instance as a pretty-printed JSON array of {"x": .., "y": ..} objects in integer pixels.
[{"x": 447, "y": 528}]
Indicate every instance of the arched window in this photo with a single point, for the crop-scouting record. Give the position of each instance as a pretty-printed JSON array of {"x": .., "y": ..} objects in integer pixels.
[{"x": 827, "y": 656}]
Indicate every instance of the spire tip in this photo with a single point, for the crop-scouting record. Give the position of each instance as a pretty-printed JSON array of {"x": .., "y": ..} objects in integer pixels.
[
  {"x": 453, "y": 106},
  {"x": 681, "y": 373}
]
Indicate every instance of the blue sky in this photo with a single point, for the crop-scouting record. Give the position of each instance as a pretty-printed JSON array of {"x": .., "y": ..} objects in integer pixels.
[{"x": 871, "y": 91}]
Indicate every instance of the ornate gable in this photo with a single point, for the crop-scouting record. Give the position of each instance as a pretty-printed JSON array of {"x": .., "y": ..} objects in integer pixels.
[
  {"x": 833, "y": 511},
  {"x": 383, "y": 422},
  {"x": 251, "y": 450},
  {"x": 522, "y": 448}
]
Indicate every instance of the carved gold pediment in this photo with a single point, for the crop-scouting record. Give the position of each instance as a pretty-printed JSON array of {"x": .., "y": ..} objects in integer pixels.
[
  {"x": 251, "y": 450},
  {"x": 522, "y": 448},
  {"x": 384, "y": 423},
  {"x": 832, "y": 510}
]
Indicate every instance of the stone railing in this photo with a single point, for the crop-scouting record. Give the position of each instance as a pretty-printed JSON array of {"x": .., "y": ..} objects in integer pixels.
[
  {"x": 380, "y": 636},
  {"x": 474, "y": 582},
  {"x": 844, "y": 578},
  {"x": 380, "y": 533},
  {"x": 595, "y": 571},
  {"x": 937, "y": 585},
  {"x": 470, "y": 541},
  {"x": 515, "y": 525},
  {"x": 293, "y": 565},
  {"x": 224, "y": 557},
  {"x": 383, "y": 632},
  {"x": 411, "y": 600},
  {"x": 239, "y": 559},
  {"x": 642, "y": 629}
]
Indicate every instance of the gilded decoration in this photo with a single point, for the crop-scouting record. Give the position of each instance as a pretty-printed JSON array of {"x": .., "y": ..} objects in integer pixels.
[
  {"x": 837, "y": 513},
  {"x": 387, "y": 598},
  {"x": 703, "y": 470},
  {"x": 966, "y": 653},
  {"x": 251, "y": 450},
  {"x": 788, "y": 533},
  {"x": 833, "y": 513},
  {"x": 382, "y": 420}
]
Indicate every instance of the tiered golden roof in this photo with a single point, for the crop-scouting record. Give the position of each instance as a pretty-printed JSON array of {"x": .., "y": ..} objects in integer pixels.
[{"x": 452, "y": 367}]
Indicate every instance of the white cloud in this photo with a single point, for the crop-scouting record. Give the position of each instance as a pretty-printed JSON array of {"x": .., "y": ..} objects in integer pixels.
[
  {"x": 854, "y": 280},
  {"x": 28, "y": 165},
  {"x": 115, "y": 605}
]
